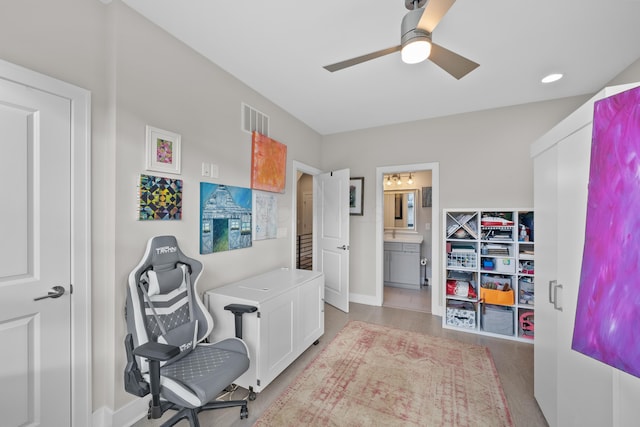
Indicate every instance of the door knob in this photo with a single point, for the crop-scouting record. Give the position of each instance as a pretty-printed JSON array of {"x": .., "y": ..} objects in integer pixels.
[
  {"x": 55, "y": 292},
  {"x": 344, "y": 247}
]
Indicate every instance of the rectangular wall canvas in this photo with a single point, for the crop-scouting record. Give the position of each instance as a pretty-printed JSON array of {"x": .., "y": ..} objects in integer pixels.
[
  {"x": 225, "y": 217},
  {"x": 265, "y": 224},
  {"x": 268, "y": 164},
  {"x": 608, "y": 310},
  {"x": 160, "y": 198}
]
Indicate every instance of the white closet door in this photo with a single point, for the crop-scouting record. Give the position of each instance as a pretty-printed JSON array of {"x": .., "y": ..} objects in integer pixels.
[
  {"x": 545, "y": 192},
  {"x": 584, "y": 384}
]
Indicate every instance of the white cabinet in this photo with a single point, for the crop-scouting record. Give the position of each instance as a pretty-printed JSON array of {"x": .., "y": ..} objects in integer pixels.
[
  {"x": 387, "y": 265},
  {"x": 290, "y": 318},
  {"x": 571, "y": 389},
  {"x": 402, "y": 264}
]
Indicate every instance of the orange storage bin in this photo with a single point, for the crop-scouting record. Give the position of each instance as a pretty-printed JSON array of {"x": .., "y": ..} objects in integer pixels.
[{"x": 493, "y": 296}]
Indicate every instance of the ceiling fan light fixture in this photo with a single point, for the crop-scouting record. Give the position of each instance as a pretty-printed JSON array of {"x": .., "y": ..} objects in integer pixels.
[
  {"x": 416, "y": 50},
  {"x": 416, "y": 43}
]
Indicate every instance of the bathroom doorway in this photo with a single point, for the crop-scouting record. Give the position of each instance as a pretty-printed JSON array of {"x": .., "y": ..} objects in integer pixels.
[{"x": 407, "y": 211}]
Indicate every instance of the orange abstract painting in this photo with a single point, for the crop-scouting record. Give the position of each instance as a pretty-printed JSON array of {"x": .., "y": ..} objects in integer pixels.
[{"x": 268, "y": 164}]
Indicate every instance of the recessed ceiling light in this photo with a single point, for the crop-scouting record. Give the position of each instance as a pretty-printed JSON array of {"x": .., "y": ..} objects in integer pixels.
[{"x": 551, "y": 78}]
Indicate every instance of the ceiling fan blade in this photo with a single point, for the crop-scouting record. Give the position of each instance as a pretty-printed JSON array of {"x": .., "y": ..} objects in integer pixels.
[
  {"x": 433, "y": 13},
  {"x": 454, "y": 64},
  {"x": 354, "y": 61}
]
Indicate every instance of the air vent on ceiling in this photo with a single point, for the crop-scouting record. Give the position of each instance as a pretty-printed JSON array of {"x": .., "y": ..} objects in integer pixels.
[{"x": 254, "y": 120}]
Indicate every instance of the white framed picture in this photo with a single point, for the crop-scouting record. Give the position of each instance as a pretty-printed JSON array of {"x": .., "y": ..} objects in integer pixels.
[{"x": 163, "y": 151}]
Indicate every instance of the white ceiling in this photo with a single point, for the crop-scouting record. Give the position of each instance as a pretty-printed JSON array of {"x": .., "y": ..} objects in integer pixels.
[{"x": 278, "y": 48}]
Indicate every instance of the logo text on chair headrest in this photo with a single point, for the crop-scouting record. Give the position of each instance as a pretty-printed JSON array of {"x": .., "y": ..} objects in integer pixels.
[{"x": 166, "y": 250}]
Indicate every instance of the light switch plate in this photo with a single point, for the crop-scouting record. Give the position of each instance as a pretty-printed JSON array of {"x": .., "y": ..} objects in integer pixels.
[{"x": 206, "y": 169}]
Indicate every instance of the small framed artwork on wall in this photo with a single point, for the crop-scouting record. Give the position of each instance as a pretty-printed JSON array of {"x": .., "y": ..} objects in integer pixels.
[
  {"x": 356, "y": 196},
  {"x": 426, "y": 197},
  {"x": 163, "y": 151}
]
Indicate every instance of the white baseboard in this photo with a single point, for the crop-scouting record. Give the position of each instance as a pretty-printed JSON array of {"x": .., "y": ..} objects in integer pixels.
[
  {"x": 364, "y": 299},
  {"x": 102, "y": 417},
  {"x": 123, "y": 417}
]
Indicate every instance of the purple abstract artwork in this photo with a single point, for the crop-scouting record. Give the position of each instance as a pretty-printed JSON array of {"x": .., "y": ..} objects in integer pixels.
[{"x": 608, "y": 310}]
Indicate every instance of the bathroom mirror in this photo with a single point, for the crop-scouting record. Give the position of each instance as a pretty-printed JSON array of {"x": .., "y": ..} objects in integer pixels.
[{"x": 400, "y": 209}]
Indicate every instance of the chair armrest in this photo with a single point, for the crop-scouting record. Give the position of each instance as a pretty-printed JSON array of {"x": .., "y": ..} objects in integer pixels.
[
  {"x": 156, "y": 351},
  {"x": 240, "y": 308}
]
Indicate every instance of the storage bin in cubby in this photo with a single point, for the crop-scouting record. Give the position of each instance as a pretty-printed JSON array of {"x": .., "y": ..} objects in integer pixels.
[
  {"x": 497, "y": 281},
  {"x": 505, "y": 265},
  {"x": 461, "y": 314},
  {"x": 494, "y": 296},
  {"x": 497, "y": 319},
  {"x": 462, "y": 259}
]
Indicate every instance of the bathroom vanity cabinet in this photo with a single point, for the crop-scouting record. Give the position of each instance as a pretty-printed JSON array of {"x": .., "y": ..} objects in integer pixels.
[
  {"x": 402, "y": 264},
  {"x": 290, "y": 318}
]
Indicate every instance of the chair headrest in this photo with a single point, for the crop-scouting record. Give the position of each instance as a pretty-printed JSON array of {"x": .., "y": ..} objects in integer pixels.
[
  {"x": 163, "y": 250},
  {"x": 161, "y": 265},
  {"x": 163, "y": 282}
]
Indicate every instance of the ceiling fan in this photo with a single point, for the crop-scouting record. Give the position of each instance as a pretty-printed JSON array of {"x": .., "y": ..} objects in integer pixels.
[{"x": 416, "y": 45}]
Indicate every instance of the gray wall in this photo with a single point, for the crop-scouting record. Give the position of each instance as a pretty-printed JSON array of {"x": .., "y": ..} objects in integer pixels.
[
  {"x": 483, "y": 159},
  {"x": 139, "y": 75}
]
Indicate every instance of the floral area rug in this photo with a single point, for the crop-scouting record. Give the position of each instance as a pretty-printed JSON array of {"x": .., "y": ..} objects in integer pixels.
[{"x": 372, "y": 375}]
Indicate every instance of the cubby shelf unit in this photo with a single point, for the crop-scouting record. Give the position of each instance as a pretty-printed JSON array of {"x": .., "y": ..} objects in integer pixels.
[{"x": 489, "y": 270}]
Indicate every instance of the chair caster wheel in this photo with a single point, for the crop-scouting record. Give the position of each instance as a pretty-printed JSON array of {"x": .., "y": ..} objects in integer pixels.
[{"x": 244, "y": 412}]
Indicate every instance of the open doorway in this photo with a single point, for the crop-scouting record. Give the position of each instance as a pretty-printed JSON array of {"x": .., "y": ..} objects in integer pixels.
[
  {"x": 330, "y": 229},
  {"x": 303, "y": 224},
  {"x": 407, "y": 237},
  {"x": 304, "y": 221}
]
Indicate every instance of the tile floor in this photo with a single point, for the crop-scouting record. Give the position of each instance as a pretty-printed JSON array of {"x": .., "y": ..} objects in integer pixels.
[{"x": 408, "y": 299}]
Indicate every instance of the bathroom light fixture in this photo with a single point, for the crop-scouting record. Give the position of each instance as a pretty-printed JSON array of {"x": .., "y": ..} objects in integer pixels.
[
  {"x": 388, "y": 180},
  {"x": 410, "y": 179},
  {"x": 399, "y": 180},
  {"x": 554, "y": 77}
]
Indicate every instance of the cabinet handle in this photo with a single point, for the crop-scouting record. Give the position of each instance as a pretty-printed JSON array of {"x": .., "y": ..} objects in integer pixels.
[
  {"x": 555, "y": 297},
  {"x": 552, "y": 284}
]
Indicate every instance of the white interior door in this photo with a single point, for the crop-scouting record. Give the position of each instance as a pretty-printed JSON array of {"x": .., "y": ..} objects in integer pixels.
[
  {"x": 35, "y": 254},
  {"x": 332, "y": 216}
]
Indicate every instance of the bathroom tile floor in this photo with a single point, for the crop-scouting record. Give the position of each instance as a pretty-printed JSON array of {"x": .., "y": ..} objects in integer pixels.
[{"x": 408, "y": 299}]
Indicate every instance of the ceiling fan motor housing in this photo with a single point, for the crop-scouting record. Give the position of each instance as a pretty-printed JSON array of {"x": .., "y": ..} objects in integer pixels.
[
  {"x": 410, "y": 4},
  {"x": 409, "y": 30}
]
